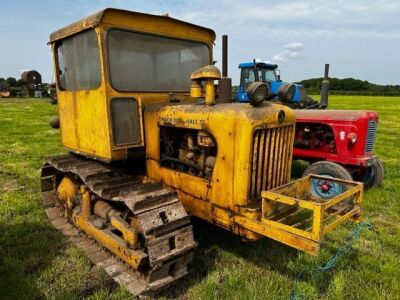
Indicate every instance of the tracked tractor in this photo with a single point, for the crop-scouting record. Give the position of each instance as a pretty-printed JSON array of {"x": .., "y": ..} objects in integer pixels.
[
  {"x": 152, "y": 141},
  {"x": 336, "y": 143}
]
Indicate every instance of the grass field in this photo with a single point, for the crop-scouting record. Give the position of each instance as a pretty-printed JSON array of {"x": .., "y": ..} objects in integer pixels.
[{"x": 37, "y": 262}]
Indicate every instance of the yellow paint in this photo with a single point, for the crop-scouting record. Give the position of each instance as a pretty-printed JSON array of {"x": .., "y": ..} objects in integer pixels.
[
  {"x": 353, "y": 214},
  {"x": 210, "y": 92},
  {"x": 105, "y": 211},
  {"x": 317, "y": 222},
  {"x": 208, "y": 74},
  {"x": 84, "y": 115},
  {"x": 129, "y": 234},
  {"x": 232, "y": 126},
  {"x": 86, "y": 205},
  {"x": 196, "y": 90},
  {"x": 224, "y": 198},
  {"x": 280, "y": 235},
  {"x": 67, "y": 189},
  {"x": 110, "y": 241},
  {"x": 290, "y": 194}
]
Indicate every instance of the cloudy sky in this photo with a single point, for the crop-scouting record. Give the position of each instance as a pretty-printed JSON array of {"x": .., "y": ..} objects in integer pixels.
[{"x": 360, "y": 39}]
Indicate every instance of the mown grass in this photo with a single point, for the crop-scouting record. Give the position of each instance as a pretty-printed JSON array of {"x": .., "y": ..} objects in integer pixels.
[{"x": 37, "y": 262}]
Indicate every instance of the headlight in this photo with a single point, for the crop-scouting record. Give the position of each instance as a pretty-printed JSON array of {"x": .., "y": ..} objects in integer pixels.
[
  {"x": 281, "y": 116},
  {"x": 352, "y": 138},
  {"x": 257, "y": 92},
  {"x": 286, "y": 92}
]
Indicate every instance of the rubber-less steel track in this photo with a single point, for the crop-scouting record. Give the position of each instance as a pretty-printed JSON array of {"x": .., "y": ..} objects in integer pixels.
[{"x": 167, "y": 241}]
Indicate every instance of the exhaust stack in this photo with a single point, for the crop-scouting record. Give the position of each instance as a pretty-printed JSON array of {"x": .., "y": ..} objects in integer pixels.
[
  {"x": 325, "y": 88},
  {"x": 224, "y": 56},
  {"x": 225, "y": 83}
]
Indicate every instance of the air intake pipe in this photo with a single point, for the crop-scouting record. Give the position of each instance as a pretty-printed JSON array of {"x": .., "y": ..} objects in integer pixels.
[
  {"x": 205, "y": 74},
  {"x": 325, "y": 88}
]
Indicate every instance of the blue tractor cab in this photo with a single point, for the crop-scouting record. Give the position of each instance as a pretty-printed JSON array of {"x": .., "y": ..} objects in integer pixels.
[{"x": 257, "y": 71}]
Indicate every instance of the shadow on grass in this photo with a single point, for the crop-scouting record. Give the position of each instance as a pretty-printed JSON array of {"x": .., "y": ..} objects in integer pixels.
[
  {"x": 213, "y": 241},
  {"x": 26, "y": 249},
  {"x": 265, "y": 253}
]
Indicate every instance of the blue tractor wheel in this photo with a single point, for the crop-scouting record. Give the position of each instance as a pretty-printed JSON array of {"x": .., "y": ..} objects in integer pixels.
[{"x": 323, "y": 188}]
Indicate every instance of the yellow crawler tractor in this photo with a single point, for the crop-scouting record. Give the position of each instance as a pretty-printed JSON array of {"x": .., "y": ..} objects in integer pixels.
[{"x": 152, "y": 140}]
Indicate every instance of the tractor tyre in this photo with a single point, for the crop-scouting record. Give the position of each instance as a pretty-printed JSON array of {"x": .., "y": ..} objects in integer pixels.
[
  {"x": 375, "y": 174},
  {"x": 328, "y": 169},
  {"x": 55, "y": 122}
]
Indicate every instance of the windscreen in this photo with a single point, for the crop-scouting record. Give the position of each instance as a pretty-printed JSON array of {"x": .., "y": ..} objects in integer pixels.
[
  {"x": 142, "y": 62},
  {"x": 78, "y": 62},
  {"x": 266, "y": 75}
]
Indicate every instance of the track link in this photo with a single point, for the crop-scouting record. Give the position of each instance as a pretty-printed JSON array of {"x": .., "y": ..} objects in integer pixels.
[{"x": 162, "y": 222}]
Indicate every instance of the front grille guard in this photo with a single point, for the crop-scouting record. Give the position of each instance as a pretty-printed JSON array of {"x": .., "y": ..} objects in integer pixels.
[
  {"x": 271, "y": 158},
  {"x": 299, "y": 219}
]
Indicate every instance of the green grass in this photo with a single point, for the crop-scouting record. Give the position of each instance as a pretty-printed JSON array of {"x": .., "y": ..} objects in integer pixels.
[{"x": 37, "y": 262}]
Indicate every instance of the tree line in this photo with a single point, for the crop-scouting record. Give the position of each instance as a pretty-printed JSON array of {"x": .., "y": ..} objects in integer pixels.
[
  {"x": 10, "y": 82},
  {"x": 312, "y": 85},
  {"x": 349, "y": 84}
]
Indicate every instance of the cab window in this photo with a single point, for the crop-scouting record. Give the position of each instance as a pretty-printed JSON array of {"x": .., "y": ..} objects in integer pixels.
[
  {"x": 248, "y": 77},
  {"x": 78, "y": 62},
  {"x": 266, "y": 75},
  {"x": 143, "y": 62}
]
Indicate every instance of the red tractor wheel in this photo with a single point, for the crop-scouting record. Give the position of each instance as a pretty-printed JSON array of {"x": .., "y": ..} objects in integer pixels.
[{"x": 323, "y": 188}]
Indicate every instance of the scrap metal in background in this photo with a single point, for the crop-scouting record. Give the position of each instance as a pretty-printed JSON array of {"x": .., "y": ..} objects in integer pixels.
[{"x": 31, "y": 84}]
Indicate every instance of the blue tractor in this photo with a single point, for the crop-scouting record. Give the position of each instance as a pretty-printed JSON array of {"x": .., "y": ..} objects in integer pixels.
[{"x": 293, "y": 95}]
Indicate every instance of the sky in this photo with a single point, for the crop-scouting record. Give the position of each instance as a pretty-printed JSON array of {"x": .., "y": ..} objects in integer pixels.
[{"x": 360, "y": 39}]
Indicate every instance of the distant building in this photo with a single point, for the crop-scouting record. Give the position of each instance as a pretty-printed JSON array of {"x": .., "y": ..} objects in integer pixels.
[
  {"x": 31, "y": 84},
  {"x": 4, "y": 89}
]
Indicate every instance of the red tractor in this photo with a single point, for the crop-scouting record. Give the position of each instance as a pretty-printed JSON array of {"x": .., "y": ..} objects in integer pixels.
[{"x": 336, "y": 143}]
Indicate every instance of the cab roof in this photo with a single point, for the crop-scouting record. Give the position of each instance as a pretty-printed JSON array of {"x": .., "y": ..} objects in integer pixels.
[
  {"x": 258, "y": 64},
  {"x": 119, "y": 15}
]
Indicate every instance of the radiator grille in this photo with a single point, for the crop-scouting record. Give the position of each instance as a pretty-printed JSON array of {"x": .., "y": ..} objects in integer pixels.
[
  {"x": 270, "y": 159},
  {"x": 370, "y": 140}
]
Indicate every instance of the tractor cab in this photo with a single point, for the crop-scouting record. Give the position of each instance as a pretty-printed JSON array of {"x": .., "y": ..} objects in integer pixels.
[
  {"x": 111, "y": 65},
  {"x": 255, "y": 72}
]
